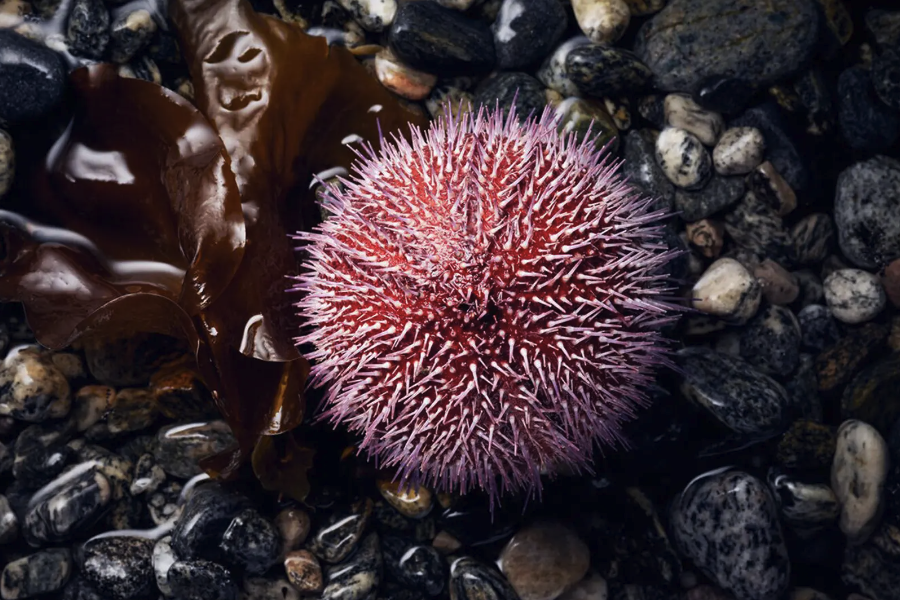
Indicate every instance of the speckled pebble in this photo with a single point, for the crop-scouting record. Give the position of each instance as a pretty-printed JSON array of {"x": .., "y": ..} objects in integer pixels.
[
  {"x": 68, "y": 506},
  {"x": 90, "y": 404},
  {"x": 867, "y": 200},
  {"x": 602, "y": 21},
  {"x": 357, "y": 577},
  {"x": 552, "y": 72},
  {"x": 739, "y": 151},
  {"x": 36, "y": 574},
  {"x": 471, "y": 579},
  {"x": 717, "y": 195},
  {"x": 861, "y": 461},
  {"x": 32, "y": 388},
  {"x": 683, "y": 158},
  {"x": 819, "y": 328},
  {"x": 601, "y": 71},
  {"x": 133, "y": 409},
  {"x": 207, "y": 514},
  {"x": 130, "y": 32},
  {"x": 87, "y": 31},
  {"x": 544, "y": 560},
  {"x": 120, "y": 566},
  {"x": 728, "y": 290},
  {"x": 854, "y": 296},
  {"x": 757, "y": 227},
  {"x": 771, "y": 341},
  {"x": 304, "y": 572},
  {"x": 807, "y": 445},
  {"x": 681, "y": 111},
  {"x": 251, "y": 542}
]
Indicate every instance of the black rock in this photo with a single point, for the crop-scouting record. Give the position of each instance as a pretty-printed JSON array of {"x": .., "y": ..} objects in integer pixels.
[
  {"x": 251, "y": 542},
  {"x": 473, "y": 580},
  {"x": 866, "y": 123},
  {"x": 88, "y": 29},
  {"x": 816, "y": 94},
  {"x": 884, "y": 26},
  {"x": 723, "y": 94},
  {"x": 720, "y": 193},
  {"x": 780, "y": 149},
  {"x": 178, "y": 448},
  {"x": 358, "y": 577},
  {"x": 771, "y": 341},
  {"x": 818, "y": 328},
  {"x": 414, "y": 565},
  {"x": 642, "y": 169},
  {"x": 501, "y": 89},
  {"x": 41, "y": 453},
  {"x": 339, "y": 534},
  {"x": 36, "y": 574},
  {"x": 68, "y": 506},
  {"x": 440, "y": 40},
  {"x": 81, "y": 589},
  {"x": 201, "y": 580},
  {"x": 207, "y": 514},
  {"x": 606, "y": 71},
  {"x": 526, "y": 30},
  {"x": 120, "y": 566},
  {"x": 32, "y": 78}
]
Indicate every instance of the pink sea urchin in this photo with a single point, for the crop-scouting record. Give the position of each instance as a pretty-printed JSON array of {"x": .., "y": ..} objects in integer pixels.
[{"x": 484, "y": 302}]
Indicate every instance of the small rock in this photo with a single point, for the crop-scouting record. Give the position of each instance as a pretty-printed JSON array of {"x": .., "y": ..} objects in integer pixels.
[
  {"x": 580, "y": 115},
  {"x": 727, "y": 290},
  {"x": 148, "y": 476},
  {"x": 501, "y": 89},
  {"x": 180, "y": 447},
  {"x": 866, "y": 123},
  {"x": 641, "y": 168},
  {"x": 602, "y": 21},
  {"x": 771, "y": 188},
  {"x": 778, "y": 285},
  {"x": 417, "y": 566},
  {"x": 818, "y": 327},
  {"x": 525, "y": 31},
  {"x": 119, "y": 566},
  {"x": 601, "y": 71},
  {"x": 40, "y": 573},
  {"x": 117, "y": 469},
  {"x": 130, "y": 33},
  {"x": 838, "y": 363},
  {"x": 771, "y": 341},
  {"x": 163, "y": 503},
  {"x": 7, "y": 163},
  {"x": 756, "y": 226},
  {"x": 854, "y": 296},
  {"x": 163, "y": 557},
  {"x": 707, "y": 235},
  {"x": 866, "y": 204},
  {"x": 339, "y": 534},
  {"x": 727, "y": 524},
  {"x": 544, "y": 560},
  {"x": 857, "y": 478},
  {"x": 871, "y": 396},
  {"x": 68, "y": 506},
  {"x": 780, "y": 148},
  {"x": 553, "y": 72},
  {"x": 201, "y": 580},
  {"x": 682, "y": 112},
  {"x": 31, "y": 388},
  {"x": 207, "y": 514},
  {"x": 717, "y": 195},
  {"x": 180, "y": 394},
  {"x": 32, "y": 78},
  {"x": 401, "y": 79},
  {"x": 884, "y": 27},
  {"x": 807, "y": 507},
  {"x": 812, "y": 237},
  {"x": 372, "y": 15},
  {"x": 414, "y": 503},
  {"x": 807, "y": 445},
  {"x": 133, "y": 409},
  {"x": 473, "y": 580},
  {"x": 592, "y": 587},
  {"x": 357, "y": 577},
  {"x": 739, "y": 151},
  {"x": 91, "y": 404},
  {"x": 9, "y": 522},
  {"x": 293, "y": 525},
  {"x": 683, "y": 158},
  {"x": 885, "y": 76},
  {"x": 445, "y": 543},
  {"x": 304, "y": 572},
  {"x": 88, "y": 28},
  {"x": 251, "y": 542},
  {"x": 723, "y": 94}
]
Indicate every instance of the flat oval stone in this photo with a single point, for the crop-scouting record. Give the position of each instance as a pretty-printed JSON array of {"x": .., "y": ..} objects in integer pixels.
[
  {"x": 473, "y": 580},
  {"x": 866, "y": 201},
  {"x": 602, "y": 21},
  {"x": 854, "y": 296},
  {"x": 739, "y": 151},
  {"x": 727, "y": 524},
  {"x": 781, "y": 149},
  {"x": 201, "y": 580},
  {"x": 120, "y": 566},
  {"x": 32, "y": 78},
  {"x": 858, "y": 473},
  {"x": 728, "y": 290},
  {"x": 304, "y": 571},
  {"x": 87, "y": 31},
  {"x": 683, "y": 158},
  {"x": 207, "y": 514},
  {"x": 544, "y": 560},
  {"x": 339, "y": 534},
  {"x": 412, "y": 502},
  {"x": 37, "y": 574}
]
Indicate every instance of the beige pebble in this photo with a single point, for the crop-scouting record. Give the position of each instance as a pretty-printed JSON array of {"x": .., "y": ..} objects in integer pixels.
[
  {"x": 304, "y": 572},
  {"x": 401, "y": 79},
  {"x": 602, "y": 21},
  {"x": 777, "y": 284}
]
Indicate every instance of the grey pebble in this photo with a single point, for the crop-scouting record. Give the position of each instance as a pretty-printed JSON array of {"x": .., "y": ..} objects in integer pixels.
[
  {"x": 771, "y": 341},
  {"x": 357, "y": 577},
  {"x": 854, "y": 296},
  {"x": 32, "y": 388},
  {"x": 36, "y": 574},
  {"x": 87, "y": 32},
  {"x": 180, "y": 447},
  {"x": 818, "y": 327},
  {"x": 717, "y": 195},
  {"x": 120, "y": 566}
]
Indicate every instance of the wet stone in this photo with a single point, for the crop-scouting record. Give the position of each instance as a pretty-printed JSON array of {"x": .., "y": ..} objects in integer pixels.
[
  {"x": 873, "y": 396},
  {"x": 90, "y": 405},
  {"x": 642, "y": 169},
  {"x": 357, "y": 577},
  {"x": 412, "y": 502},
  {"x": 552, "y": 72},
  {"x": 525, "y": 31},
  {"x": 501, "y": 89},
  {"x": 32, "y": 78},
  {"x": 741, "y": 398},
  {"x": 717, "y": 195},
  {"x": 41, "y": 453},
  {"x": 771, "y": 341},
  {"x": 132, "y": 410},
  {"x": 858, "y": 475},
  {"x": 71, "y": 505},
  {"x": 885, "y": 76},
  {"x": 819, "y": 328},
  {"x": 148, "y": 476},
  {"x": 130, "y": 32},
  {"x": 304, "y": 572},
  {"x": 602, "y": 71},
  {"x": 544, "y": 560},
  {"x": 754, "y": 225},
  {"x": 727, "y": 290},
  {"x": 163, "y": 557},
  {"x": 770, "y": 187},
  {"x": 206, "y": 515},
  {"x": 854, "y": 296},
  {"x": 120, "y": 566},
  {"x": 40, "y": 573},
  {"x": 778, "y": 285},
  {"x": 88, "y": 28},
  {"x": 9, "y": 522},
  {"x": 339, "y": 534},
  {"x": 180, "y": 447},
  {"x": 439, "y": 40},
  {"x": 727, "y": 524},
  {"x": 683, "y": 158},
  {"x": 251, "y": 542},
  {"x": 602, "y": 21},
  {"x": 117, "y": 469},
  {"x": 473, "y": 580},
  {"x": 866, "y": 123},
  {"x": 31, "y": 388},
  {"x": 201, "y": 580},
  {"x": 807, "y": 445},
  {"x": 417, "y": 566},
  {"x": 163, "y": 503},
  {"x": 580, "y": 115},
  {"x": 812, "y": 236},
  {"x": 739, "y": 151},
  {"x": 681, "y": 111},
  {"x": 807, "y": 508},
  {"x": 7, "y": 172},
  {"x": 293, "y": 526},
  {"x": 181, "y": 395}
]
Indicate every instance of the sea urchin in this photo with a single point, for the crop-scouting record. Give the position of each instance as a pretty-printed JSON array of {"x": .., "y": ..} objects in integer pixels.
[{"x": 484, "y": 302}]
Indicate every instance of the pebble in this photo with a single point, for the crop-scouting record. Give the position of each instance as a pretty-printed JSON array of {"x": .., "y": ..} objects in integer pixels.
[
  {"x": 602, "y": 21},
  {"x": 293, "y": 525},
  {"x": 837, "y": 364},
  {"x": 117, "y": 469},
  {"x": 727, "y": 524},
  {"x": 780, "y": 148},
  {"x": 525, "y": 31},
  {"x": 304, "y": 572},
  {"x": 372, "y": 15},
  {"x": 807, "y": 508},
  {"x": 339, "y": 534},
  {"x": 592, "y": 587},
  {"x": 130, "y": 33},
  {"x": 708, "y": 236},
  {"x": 818, "y": 326},
  {"x": 439, "y": 40},
  {"x": 251, "y": 542},
  {"x": 163, "y": 503},
  {"x": 723, "y": 94},
  {"x": 416, "y": 566},
  {"x": 31, "y": 388},
  {"x": 728, "y": 290},
  {"x": 771, "y": 341},
  {"x": 201, "y": 580},
  {"x": 690, "y": 41},
  {"x": 402, "y": 79},
  {"x": 737, "y": 395},
  {"x": 861, "y": 462},
  {"x": 412, "y": 502},
  {"x": 544, "y": 560},
  {"x": 207, "y": 514},
  {"x": 163, "y": 557},
  {"x": 717, "y": 195},
  {"x": 7, "y": 164},
  {"x": 474, "y": 580},
  {"x": 580, "y": 115},
  {"x": 854, "y": 296},
  {"x": 807, "y": 445},
  {"x": 866, "y": 123},
  {"x": 357, "y": 577},
  {"x": 68, "y": 506},
  {"x": 683, "y": 158},
  {"x": 179, "y": 447},
  {"x": 552, "y": 72},
  {"x": 866, "y": 203},
  {"x": 32, "y": 78},
  {"x": 148, "y": 476},
  {"x": 770, "y": 187},
  {"x": 739, "y": 151},
  {"x": 812, "y": 236},
  {"x": 91, "y": 404},
  {"x": 641, "y": 168},
  {"x": 41, "y": 453},
  {"x": 120, "y": 566},
  {"x": 87, "y": 32},
  {"x": 180, "y": 394},
  {"x": 871, "y": 395},
  {"x": 885, "y": 76},
  {"x": 39, "y": 573},
  {"x": 501, "y": 89},
  {"x": 9, "y": 522},
  {"x": 755, "y": 226},
  {"x": 601, "y": 71},
  {"x": 681, "y": 111},
  {"x": 133, "y": 409},
  {"x": 778, "y": 285},
  {"x": 873, "y": 568}
]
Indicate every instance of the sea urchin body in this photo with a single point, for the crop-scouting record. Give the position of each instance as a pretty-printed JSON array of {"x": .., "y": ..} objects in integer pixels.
[{"x": 484, "y": 302}]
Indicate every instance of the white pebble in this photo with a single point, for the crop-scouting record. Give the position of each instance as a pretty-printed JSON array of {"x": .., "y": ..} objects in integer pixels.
[
  {"x": 727, "y": 289},
  {"x": 372, "y": 15},
  {"x": 853, "y": 295},
  {"x": 858, "y": 473},
  {"x": 681, "y": 111},
  {"x": 683, "y": 158},
  {"x": 603, "y": 21},
  {"x": 739, "y": 151},
  {"x": 401, "y": 79}
]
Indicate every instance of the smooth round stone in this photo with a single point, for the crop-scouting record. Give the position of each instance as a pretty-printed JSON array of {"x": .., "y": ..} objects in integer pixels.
[
  {"x": 873, "y": 395},
  {"x": 293, "y": 525},
  {"x": 739, "y": 151},
  {"x": 579, "y": 116},
  {"x": 502, "y": 89},
  {"x": 357, "y": 577},
  {"x": 866, "y": 123},
  {"x": 770, "y": 187},
  {"x": 885, "y": 76},
  {"x": 727, "y": 524},
  {"x": 818, "y": 328},
  {"x": 866, "y": 205},
  {"x": 207, "y": 514},
  {"x": 641, "y": 168},
  {"x": 525, "y": 31},
  {"x": 602, "y": 71},
  {"x": 553, "y": 70},
  {"x": 861, "y": 461},
  {"x": 602, "y": 21},
  {"x": 690, "y": 41},
  {"x": 251, "y": 542},
  {"x": 87, "y": 32},
  {"x": 414, "y": 565},
  {"x": 163, "y": 557},
  {"x": 32, "y": 78},
  {"x": 439, "y": 40},
  {"x": 372, "y": 15},
  {"x": 544, "y": 560},
  {"x": 716, "y": 196},
  {"x": 728, "y": 290},
  {"x": 778, "y": 286},
  {"x": 201, "y": 580},
  {"x": 402, "y": 79},
  {"x": 771, "y": 341},
  {"x": 9, "y": 522},
  {"x": 412, "y": 502},
  {"x": 854, "y": 296},
  {"x": 67, "y": 506},
  {"x": 32, "y": 388},
  {"x": 682, "y": 112},
  {"x": 180, "y": 447},
  {"x": 592, "y": 587},
  {"x": 473, "y": 580},
  {"x": 40, "y": 573},
  {"x": 120, "y": 566},
  {"x": 807, "y": 508},
  {"x": 683, "y": 158},
  {"x": 807, "y": 445},
  {"x": 7, "y": 162},
  {"x": 339, "y": 534},
  {"x": 304, "y": 572},
  {"x": 130, "y": 32},
  {"x": 810, "y": 287},
  {"x": 812, "y": 237},
  {"x": 755, "y": 226}
]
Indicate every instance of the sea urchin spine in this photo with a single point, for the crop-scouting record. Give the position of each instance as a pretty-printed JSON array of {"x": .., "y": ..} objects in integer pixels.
[{"x": 484, "y": 301}]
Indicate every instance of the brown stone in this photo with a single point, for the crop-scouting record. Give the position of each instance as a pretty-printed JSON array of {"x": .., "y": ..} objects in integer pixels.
[
  {"x": 293, "y": 524},
  {"x": 769, "y": 186},
  {"x": 707, "y": 235},
  {"x": 412, "y": 502},
  {"x": 304, "y": 572},
  {"x": 544, "y": 560},
  {"x": 777, "y": 284}
]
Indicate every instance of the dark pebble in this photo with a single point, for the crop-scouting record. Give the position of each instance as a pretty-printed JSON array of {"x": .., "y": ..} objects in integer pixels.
[
  {"x": 866, "y": 123},
  {"x": 526, "y": 30},
  {"x": 726, "y": 95},
  {"x": 88, "y": 29},
  {"x": 837, "y": 364},
  {"x": 131, "y": 31},
  {"x": 36, "y": 574},
  {"x": 358, "y": 577},
  {"x": 818, "y": 328},
  {"x": 641, "y": 168},
  {"x": 41, "y": 453},
  {"x": 207, "y": 514},
  {"x": 780, "y": 149},
  {"x": 120, "y": 566},
  {"x": 473, "y": 580},
  {"x": 339, "y": 534},
  {"x": 719, "y": 194},
  {"x": 606, "y": 71},
  {"x": 201, "y": 580},
  {"x": 251, "y": 542},
  {"x": 501, "y": 89},
  {"x": 771, "y": 341},
  {"x": 416, "y": 566},
  {"x": 68, "y": 506},
  {"x": 32, "y": 78},
  {"x": 755, "y": 226}
]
